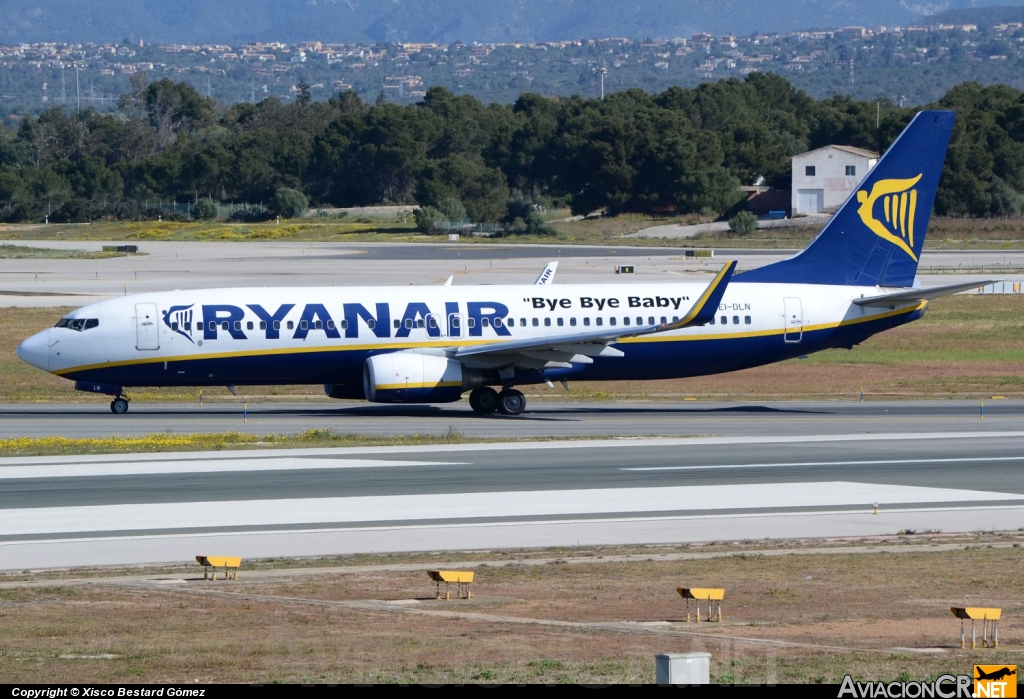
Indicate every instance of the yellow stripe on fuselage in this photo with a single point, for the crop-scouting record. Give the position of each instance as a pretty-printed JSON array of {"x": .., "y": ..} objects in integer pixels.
[{"x": 447, "y": 342}]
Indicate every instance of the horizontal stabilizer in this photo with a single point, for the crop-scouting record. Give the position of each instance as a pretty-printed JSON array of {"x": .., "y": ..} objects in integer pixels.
[{"x": 912, "y": 295}]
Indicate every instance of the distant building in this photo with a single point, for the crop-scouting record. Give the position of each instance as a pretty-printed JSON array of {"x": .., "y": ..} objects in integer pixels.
[{"x": 824, "y": 178}]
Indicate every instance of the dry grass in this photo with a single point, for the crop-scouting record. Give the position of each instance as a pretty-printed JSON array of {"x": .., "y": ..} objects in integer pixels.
[{"x": 811, "y": 617}]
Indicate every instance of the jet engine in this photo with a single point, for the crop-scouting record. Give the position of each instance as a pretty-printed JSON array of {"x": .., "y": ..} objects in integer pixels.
[{"x": 408, "y": 377}]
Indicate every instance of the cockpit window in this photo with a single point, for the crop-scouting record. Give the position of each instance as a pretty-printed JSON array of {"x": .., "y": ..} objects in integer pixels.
[{"x": 78, "y": 324}]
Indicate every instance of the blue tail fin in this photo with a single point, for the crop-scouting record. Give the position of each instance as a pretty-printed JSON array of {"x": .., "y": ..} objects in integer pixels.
[{"x": 876, "y": 236}]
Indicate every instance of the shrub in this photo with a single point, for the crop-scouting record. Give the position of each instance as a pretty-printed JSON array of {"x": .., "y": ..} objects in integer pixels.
[
  {"x": 743, "y": 223},
  {"x": 427, "y": 217},
  {"x": 204, "y": 210},
  {"x": 289, "y": 203},
  {"x": 452, "y": 209}
]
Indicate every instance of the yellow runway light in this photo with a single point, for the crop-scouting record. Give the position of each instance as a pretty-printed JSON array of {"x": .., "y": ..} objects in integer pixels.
[
  {"x": 988, "y": 616},
  {"x": 711, "y": 594},
  {"x": 462, "y": 578}
]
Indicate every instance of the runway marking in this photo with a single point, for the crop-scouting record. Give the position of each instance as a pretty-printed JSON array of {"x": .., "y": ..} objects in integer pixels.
[
  {"x": 970, "y": 460},
  {"x": 131, "y": 468},
  {"x": 396, "y": 508}
]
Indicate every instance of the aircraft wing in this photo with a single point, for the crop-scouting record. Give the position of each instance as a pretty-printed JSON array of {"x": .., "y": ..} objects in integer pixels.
[
  {"x": 912, "y": 295},
  {"x": 579, "y": 347}
]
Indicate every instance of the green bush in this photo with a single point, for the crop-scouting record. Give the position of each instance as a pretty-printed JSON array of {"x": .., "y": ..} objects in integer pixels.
[
  {"x": 204, "y": 210},
  {"x": 743, "y": 223},
  {"x": 289, "y": 203},
  {"x": 452, "y": 209},
  {"x": 427, "y": 217}
]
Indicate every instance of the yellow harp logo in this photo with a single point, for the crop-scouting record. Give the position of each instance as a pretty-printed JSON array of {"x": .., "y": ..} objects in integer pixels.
[{"x": 899, "y": 206}]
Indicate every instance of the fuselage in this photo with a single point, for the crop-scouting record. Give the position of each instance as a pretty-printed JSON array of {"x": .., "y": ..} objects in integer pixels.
[{"x": 324, "y": 335}]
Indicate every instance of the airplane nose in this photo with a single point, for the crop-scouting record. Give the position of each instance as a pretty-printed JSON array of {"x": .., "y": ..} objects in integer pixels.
[{"x": 35, "y": 351}]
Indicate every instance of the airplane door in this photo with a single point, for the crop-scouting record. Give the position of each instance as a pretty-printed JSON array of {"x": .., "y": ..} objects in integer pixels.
[
  {"x": 794, "y": 328},
  {"x": 147, "y": 332}
]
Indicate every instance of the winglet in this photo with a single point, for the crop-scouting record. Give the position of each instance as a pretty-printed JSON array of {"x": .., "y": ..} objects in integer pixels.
[
  {"x": 547, "y": 275},
  {"x": 706, "y": 306}
]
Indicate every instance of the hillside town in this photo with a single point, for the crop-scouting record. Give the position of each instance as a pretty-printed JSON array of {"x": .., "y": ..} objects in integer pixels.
[{"x": 845, "y": 60}]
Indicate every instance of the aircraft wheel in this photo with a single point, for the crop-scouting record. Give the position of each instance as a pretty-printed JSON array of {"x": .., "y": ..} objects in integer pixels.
[
  {"x": 484, "y": 400},
  {"x": 119, "y": 406},
  {"x": 511, "y": 402}
]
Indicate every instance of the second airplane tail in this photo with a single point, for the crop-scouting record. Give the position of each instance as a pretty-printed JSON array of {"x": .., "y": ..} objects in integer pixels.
[{"x": 875, "y": 238}]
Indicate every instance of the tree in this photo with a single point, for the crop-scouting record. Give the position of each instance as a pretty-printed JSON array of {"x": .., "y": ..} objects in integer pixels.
[
  {"x": 290, "y": 203},
  {"x": 204, "y": 210}
]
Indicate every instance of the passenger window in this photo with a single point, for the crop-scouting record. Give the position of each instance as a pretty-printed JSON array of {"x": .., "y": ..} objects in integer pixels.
[
  {"x": 344, "y": 325},
  {"x": 263, "y": 325},
  {"x": 675, "y": 319},
  {"x": 420, "y": 323},
  {"x": 599, "y": 320},
  {"x": 91, "y": 323},
  {"x": 511, "y": 322},
  {"x": 455, "y": 322},
  {"x": 433, "y": 323},
  {"x": 586, "y": 321},
  {"x": 735, "y": 320},
  {"x": 408, "y": 323},
  {"x": 572, "y": 322},
  {"x": 174, "y": 327},
  {"x": 497, "y": 322},
  {"x": 224, "y": 325},
  {"x": 248, "y": 326},
  {"x": 238, "y": 325},
  {"x": 625, "y": 321},
  {"x": 561, "y": 322},
  {"x": 371, "y": 324},
  {"x": 319, "y": 325},
  {"x": 213, "y": 326},
  {"x": 664, "y": 320},
  {"x": 712, "y": 322},
  {"x": 303, "y": 325},
  {"x": 547, "y": 322},
  {"x": 291, "y": 325},
  {"x": 398, "y": 323},
  {"x": 725, "y": 320},
  {"x": 330, "y": 325},
  {"x": 471, "y": 322},
  {"x": 650, "y": 320},
  {"x": 611, "y": 321},
  {"x": 746, "y": 319},
  {"x": 639, "y": 320},
  {"x": 188, "y": 325},
  {"x": 522, "y": 322},
  {"x": 277, "y": 325},
  {"x": 485, "y": 322}
]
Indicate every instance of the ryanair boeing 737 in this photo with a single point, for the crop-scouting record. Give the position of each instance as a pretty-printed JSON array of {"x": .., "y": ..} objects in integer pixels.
[{"x": 433, "y": 344}]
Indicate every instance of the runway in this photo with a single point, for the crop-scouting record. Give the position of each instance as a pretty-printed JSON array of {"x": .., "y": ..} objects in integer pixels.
[
  {"x": 541, "y": 419},
  {"x": 168, "y": 265},
  {"x": 127, "y": 509}
]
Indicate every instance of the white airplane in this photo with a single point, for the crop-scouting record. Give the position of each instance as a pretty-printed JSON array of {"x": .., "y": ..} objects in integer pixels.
[{"x": 433, "y": 344}]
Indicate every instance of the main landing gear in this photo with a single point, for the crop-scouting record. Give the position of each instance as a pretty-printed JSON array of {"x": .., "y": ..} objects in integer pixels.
[
  {"x": 119, "y": 406},
  {"x": 486, "y": 400}
]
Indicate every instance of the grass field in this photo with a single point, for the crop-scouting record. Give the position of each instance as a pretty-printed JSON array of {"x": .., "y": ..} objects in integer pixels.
[
  {"x": 25, "y": 252},
  {"x": 964, "y": 347},
  {"x": 794, "y": 611}
]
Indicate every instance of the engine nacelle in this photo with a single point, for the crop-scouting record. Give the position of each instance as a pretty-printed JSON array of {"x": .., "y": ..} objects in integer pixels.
[{"x": 407, "y": 377}]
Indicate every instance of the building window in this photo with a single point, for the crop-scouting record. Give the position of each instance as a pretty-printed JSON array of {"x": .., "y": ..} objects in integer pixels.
[
  {"x": 851, "y": 170},
  {"x": 809, "y": 170}
]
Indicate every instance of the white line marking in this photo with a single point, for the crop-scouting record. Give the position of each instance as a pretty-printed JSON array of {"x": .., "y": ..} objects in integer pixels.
[
  {"x": 132, "y": 468},
  {"x": 828, "y": 463},
  {"x": 543, "y": 503}
]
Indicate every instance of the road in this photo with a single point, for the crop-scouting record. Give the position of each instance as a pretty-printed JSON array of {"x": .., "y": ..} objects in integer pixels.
[
  {"x": 541, "y": 419},
  {"x": 126, "y": 509}
]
